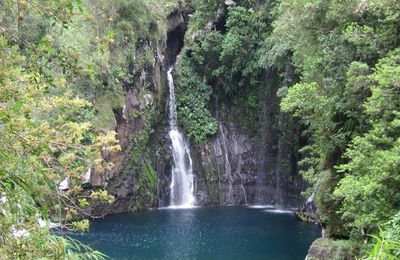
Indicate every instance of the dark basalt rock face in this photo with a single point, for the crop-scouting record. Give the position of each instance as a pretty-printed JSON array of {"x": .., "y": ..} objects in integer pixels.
[
  {"x": 230, "y": 158},
  {"x": 232, "y": 169}
]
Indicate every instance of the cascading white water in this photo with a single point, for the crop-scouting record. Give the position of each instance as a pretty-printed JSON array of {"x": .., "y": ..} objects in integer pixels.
[{"x": 182, "y": 187}]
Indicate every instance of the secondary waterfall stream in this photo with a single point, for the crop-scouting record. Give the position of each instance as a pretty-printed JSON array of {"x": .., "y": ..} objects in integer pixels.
[
  {"x": 182, "y": 187},
  {"x": 229, "y": 197}
]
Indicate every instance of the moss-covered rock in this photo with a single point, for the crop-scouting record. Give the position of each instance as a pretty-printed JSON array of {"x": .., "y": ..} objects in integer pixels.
[{"x": 329, "y": 249}]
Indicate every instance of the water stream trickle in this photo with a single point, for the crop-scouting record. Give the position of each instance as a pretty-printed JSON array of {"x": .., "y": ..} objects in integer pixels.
[
  {"x": 241, "y": 180},
  {"x": 182, "y": 188},
  {"x": 229, "y": 198},
  {"x": 278, "y": 172}
]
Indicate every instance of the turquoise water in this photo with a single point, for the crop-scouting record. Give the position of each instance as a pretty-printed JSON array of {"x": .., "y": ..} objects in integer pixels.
[{"x": 201, "y": 233}]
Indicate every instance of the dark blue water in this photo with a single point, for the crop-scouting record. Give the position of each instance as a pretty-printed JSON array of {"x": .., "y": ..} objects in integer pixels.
[{"x": 201, "y": 233}]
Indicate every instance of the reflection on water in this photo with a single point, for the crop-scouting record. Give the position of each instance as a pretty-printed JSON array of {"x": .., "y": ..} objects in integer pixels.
[
  {"x": 261, "y": 206},
  {"x": 181, "y": 240},
  {"x": 279, "y": 211},
  {"x": 201, "y": 233}
]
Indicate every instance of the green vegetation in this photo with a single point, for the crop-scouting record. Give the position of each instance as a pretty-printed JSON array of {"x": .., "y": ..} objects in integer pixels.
[
  {"x": 349, "y": 101},
  {"x": 346, "y": 65},
  {"x": 192, "y": 102},
  {"x": 65, "y": 68},
  {"x": 147, "y": 184},
  {"x": 384, "y": 248},
  {"x": 227, "y": 59},
  {"x": 46, "y": 135},
  {"x": 205, "y": 12}
]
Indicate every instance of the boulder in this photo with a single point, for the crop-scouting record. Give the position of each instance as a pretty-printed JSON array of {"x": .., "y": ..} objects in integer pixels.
[{"x": 330, "y": 249}]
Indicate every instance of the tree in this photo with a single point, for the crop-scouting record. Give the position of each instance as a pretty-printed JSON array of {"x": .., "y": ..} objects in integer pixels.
[{"x": 369, "y": 188}]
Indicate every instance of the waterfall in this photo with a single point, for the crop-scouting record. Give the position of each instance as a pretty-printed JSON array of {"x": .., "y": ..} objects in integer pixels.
[{"x": 182, "y": 188}]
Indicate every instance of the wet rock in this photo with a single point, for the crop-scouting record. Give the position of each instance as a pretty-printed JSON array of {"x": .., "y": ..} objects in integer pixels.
[
  {"x": 86, "y": 178},
  {"x": 126, "y": 188},
  {"x": 65, "y": 185},
  {"x": 132, "y": 99}
]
